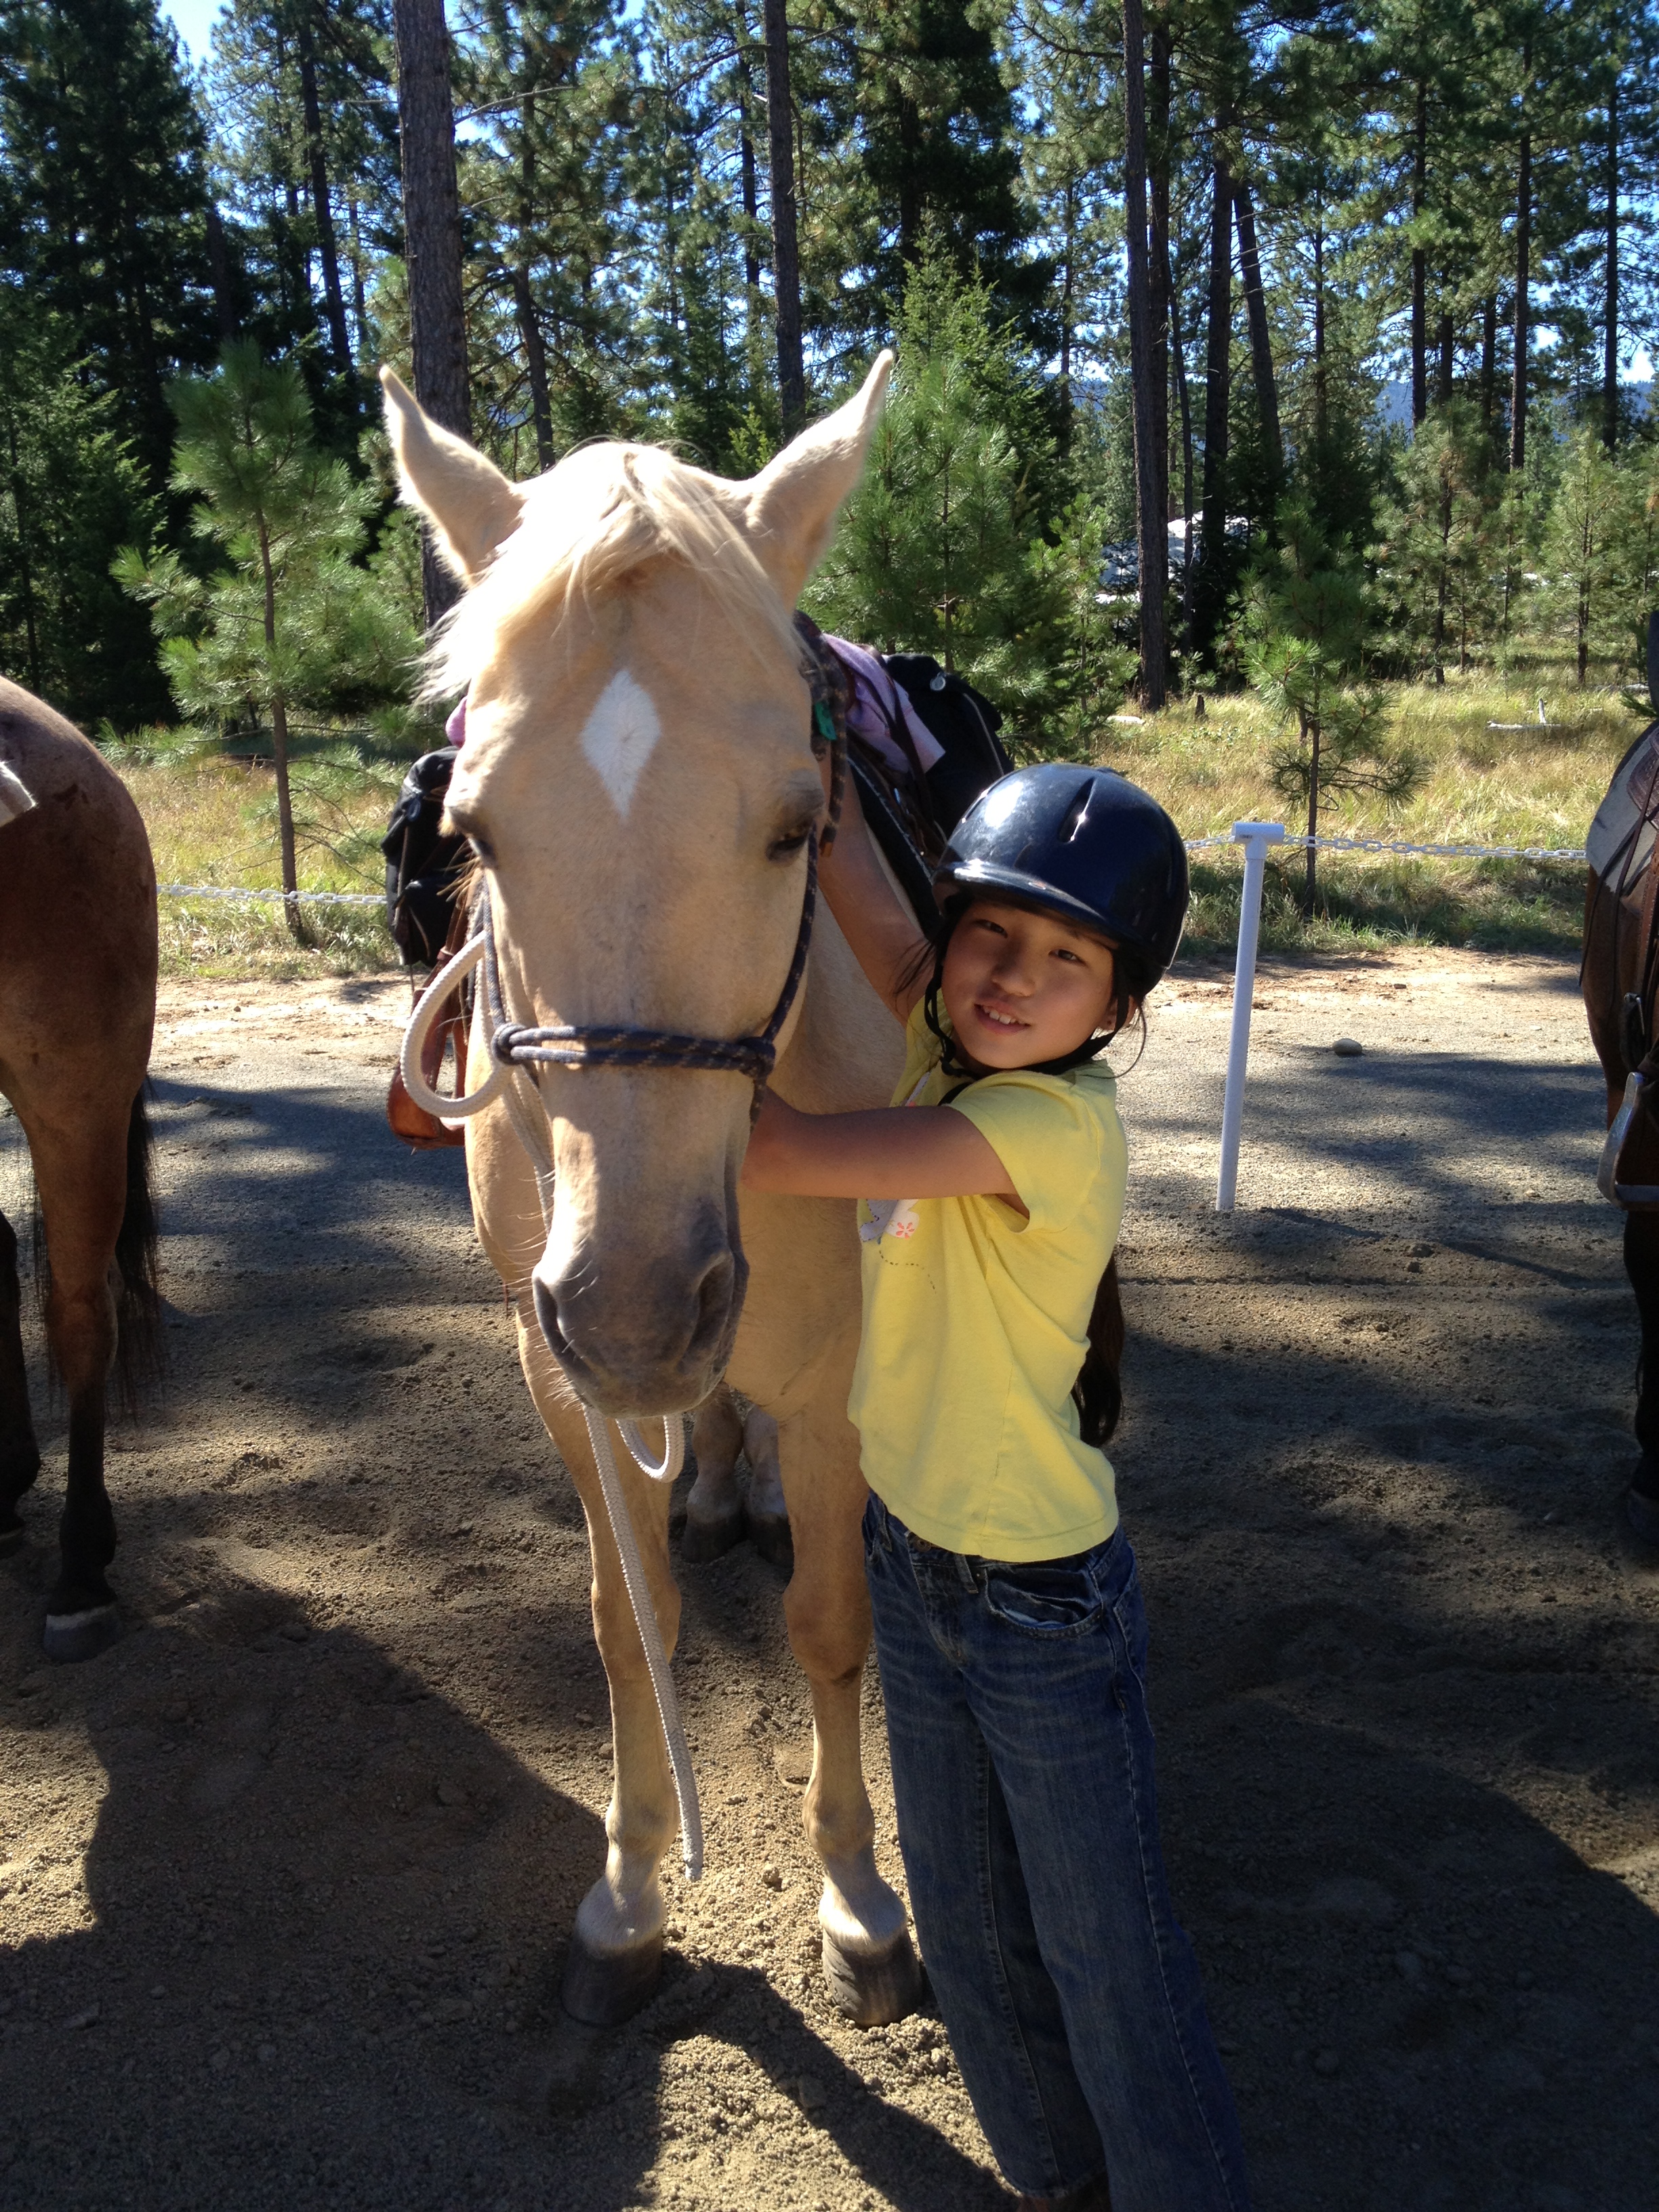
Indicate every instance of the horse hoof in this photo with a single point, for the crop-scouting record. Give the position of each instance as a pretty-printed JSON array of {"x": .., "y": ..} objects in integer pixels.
[
  {"x": 603, "y": 1987},
  {"x": 770, "y": 1535},
  {"x": 875, "y": 1991},
  {"x": 74, "y": 1636},
  {"x": 703, "y": 1540},
  {"x": 1642, "y": 1512}
]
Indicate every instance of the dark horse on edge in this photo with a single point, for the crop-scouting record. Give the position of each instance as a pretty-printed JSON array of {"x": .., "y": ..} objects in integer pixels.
[
  {"x": 77, "y": 1005},
  {"x": 1620, "y": 982}
]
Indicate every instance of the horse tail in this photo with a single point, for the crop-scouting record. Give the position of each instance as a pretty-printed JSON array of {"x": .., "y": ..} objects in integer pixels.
[
  {"x": 138, "y": 1354},
  {"x": 1098, "y": 1390}
]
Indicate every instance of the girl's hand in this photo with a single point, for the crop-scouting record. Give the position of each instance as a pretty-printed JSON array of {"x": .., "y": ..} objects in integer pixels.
[
  {"x": 898, "y": 1152},
  {"x": 875, "y": 920}
]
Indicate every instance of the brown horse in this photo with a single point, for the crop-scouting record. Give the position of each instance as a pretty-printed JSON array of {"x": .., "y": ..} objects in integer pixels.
[
  {"x": 77, "y": 1005},
  {"x": 1620, "y": 978}
]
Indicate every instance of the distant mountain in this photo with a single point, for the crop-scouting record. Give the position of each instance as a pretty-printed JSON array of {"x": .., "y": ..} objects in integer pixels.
[{"x": 1394, "y": 402}]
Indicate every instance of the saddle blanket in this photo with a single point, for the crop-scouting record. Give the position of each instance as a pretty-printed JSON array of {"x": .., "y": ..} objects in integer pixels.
[{"x": 1621, "y": 835}]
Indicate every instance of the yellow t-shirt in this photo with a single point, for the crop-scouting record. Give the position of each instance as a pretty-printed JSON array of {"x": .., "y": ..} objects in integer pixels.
[{"x": 975, "y": 1321}]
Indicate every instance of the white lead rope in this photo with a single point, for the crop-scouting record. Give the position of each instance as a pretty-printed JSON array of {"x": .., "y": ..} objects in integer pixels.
[{"x": 530, "y": 1125}]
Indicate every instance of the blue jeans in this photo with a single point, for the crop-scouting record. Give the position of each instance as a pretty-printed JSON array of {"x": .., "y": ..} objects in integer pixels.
[{"x": 1022, "y": 1773}]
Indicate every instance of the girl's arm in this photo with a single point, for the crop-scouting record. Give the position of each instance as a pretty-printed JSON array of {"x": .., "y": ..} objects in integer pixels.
[
  {"x": 876, "y": 921},
  {"x": 897, "y": 1152}
]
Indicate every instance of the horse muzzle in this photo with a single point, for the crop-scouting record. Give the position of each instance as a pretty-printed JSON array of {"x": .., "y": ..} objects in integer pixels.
[{"x": 646, "y": 1335}]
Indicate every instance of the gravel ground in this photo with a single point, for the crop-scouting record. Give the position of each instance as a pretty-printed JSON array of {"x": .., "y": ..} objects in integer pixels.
[{"x": 284, "y": 1876}]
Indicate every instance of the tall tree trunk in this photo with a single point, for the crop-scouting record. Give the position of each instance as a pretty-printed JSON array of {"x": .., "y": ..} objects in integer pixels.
[
  {"x": 321, "y": 206},
  {"x": 786, "y": 252},
  {"x": 523, "y": 297},
  {"x": 1157, "y": 271},
  {"x": 1489, "y": 363},
  {"x": 1067, "y": 308},
  {"x": 25, "y": 559},
  {"x": 751, "y": 268},
  {"x": 1443, "y": 579},
  {"x": 1179, "y": 352},
  {"x": 535, "y": 359},
  {"x": 1610, "y": 336},
  {"x": 1523, "y": 283},
  {"x": 432, "y": 236},
  {"x": 291, "y": 913},
  {"x": 1311, "y": 734},
  {"x": 1321, "y": 377},
  {"x": 224, "y": 307},
  {"x": 359, "y": 305},
  {"x": 1211, "y": 583},
  {"x": 1448, "y": 369},
  {"x": 1146, "y": 374},
  {"x": 1419, "y": 262},
  {"x": 1261, "y": 352}
]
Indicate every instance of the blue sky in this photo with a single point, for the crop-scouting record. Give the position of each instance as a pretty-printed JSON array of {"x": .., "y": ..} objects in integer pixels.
[{"x": 193, "y": 19}]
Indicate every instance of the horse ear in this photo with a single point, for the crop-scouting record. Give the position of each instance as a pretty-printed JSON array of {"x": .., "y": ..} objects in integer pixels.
[
  {"x": 794, "y": 502},
  {"x": 469, "y": 502}
]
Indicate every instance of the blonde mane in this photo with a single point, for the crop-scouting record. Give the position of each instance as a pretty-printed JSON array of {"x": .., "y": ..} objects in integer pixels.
[{"x": 586, "y": 524}]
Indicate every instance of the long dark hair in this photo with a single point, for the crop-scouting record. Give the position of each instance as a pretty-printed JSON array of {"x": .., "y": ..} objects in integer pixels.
[{"x": 1097, "y": 1392}]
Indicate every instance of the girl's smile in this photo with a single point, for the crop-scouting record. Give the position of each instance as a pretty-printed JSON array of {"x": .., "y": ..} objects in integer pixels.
[{"x": 1022, "y": 987}]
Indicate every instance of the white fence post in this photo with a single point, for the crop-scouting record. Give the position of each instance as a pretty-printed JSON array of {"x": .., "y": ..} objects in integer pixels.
[{"x": 1255, "y": 837}]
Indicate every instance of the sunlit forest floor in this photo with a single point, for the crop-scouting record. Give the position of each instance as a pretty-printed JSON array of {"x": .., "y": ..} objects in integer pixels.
[{"x": 212, "y": 822}]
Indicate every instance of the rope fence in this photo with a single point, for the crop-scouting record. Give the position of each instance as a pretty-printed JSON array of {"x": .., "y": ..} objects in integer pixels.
[
  {"x": 1395, "y": 845},
  {"x": 1255, "y": 838},
  {"x": 236, "y": 894},
  {"x": 272, "y": 898}
]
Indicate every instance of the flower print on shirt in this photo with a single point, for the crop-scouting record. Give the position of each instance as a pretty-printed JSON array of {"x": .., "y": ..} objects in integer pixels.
[{"x": 892, "y": 1217}]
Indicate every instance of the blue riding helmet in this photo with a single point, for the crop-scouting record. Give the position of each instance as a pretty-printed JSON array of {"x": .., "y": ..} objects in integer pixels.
[{"x": 1084, "y": 843}]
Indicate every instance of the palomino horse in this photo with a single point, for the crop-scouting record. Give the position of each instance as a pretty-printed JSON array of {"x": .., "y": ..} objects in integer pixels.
[
  {"x": 77, "y": 1004},
  {"x": 1620, "y": 982},
  {"x": 640, "y": 785}
]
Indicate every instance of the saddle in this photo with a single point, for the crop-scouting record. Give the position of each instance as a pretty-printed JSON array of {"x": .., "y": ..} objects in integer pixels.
[{"x": 890, "y": 707}]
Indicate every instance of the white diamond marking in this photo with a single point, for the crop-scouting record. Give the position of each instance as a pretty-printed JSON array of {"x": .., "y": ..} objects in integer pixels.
[{"x": 621, "y": 736}]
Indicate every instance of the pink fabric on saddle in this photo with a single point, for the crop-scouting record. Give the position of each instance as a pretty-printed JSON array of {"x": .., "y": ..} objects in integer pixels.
[
  {"x": 455, "y": 727},
  {"x": 878, "y": 704}
]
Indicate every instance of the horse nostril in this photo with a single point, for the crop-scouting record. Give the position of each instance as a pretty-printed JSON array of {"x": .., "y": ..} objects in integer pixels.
[
  {"x": 715, "y": 1292},
  {"x": 547, "y": 1314}
]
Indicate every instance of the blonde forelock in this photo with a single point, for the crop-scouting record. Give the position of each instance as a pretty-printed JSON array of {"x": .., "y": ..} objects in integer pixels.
[{"x": 588, "y": 524}]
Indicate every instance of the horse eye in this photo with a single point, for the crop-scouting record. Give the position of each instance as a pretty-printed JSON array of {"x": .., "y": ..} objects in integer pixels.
[
  {"x": 481, "y": 845},
  {"x": 787, "y": 847}
]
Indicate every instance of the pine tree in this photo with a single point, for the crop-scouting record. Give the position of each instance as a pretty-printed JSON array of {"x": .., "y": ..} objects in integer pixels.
[
  {"x": 290, "y": 621},
  {"x": 942, "y": 549},
  {"x": 103, "y": 198},
  {"x": 70, "y": 490},
  {"x": 1582, "y": 552},
  {"x": 1436, "y": 556},
  {"x": 1303, "y": 627},
  {"x": 936, "y": 146}
]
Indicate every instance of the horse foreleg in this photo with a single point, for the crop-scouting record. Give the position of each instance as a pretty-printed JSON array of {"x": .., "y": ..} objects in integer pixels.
[
  {"x": 764, "y": 1509},
  {"x": 868, "y": 1959},
  {"x": 615, "y": 1946},
  {"x": 714, "y": 1511},
  {"x": 20, "y": 1454}
]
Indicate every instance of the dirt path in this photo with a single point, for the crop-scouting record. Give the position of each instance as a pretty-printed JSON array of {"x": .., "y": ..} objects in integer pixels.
[{"x": 284, "y": 1876}]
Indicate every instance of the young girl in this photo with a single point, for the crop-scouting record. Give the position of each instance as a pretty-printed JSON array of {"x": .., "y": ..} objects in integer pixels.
[{"x": 1008, "y": 1621}]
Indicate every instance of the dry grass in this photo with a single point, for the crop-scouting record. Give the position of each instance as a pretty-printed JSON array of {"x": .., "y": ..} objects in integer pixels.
[
  {"x": 1479, "y": 787},
  {"x": 214, "y": 821}
]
